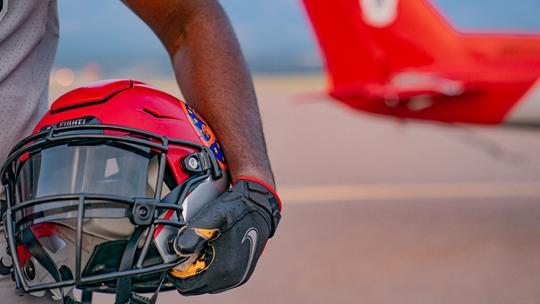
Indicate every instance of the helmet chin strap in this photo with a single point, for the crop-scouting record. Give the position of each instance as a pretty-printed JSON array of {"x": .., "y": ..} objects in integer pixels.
[
  {"x": 124, "y": 293},
  {"x": 123, "y": 285},
  {"x": 33, "y": 245}
]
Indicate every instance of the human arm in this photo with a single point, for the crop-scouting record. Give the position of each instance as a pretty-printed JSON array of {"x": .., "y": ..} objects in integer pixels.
[{"x": 213, "y": 77}]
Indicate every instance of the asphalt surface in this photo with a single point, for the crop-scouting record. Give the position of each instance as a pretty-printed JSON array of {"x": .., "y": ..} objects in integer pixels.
[{"x": 382, "y": 211}]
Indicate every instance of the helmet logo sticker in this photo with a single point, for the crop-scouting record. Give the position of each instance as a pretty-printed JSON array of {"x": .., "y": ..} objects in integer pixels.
[{"x": 205, "y": 133}]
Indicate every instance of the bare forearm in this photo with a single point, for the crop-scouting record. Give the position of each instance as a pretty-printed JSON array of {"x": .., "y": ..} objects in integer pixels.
[
  {"x": 213, "y": 76},
  {"x": 214, "y": 79}
]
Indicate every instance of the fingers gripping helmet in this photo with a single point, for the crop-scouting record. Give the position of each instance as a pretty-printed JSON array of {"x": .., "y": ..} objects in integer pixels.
[{"x": 109, "y": 175}]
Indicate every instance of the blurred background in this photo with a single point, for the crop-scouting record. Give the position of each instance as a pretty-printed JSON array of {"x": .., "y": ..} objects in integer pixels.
[{"x": 376, "y": 210}]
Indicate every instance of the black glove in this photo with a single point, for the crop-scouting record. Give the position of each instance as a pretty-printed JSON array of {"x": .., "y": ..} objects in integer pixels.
[{"x": 228, "y": 238}]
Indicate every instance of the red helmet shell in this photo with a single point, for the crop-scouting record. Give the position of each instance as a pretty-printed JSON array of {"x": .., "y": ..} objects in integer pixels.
[{"x": 135, "y": 105}]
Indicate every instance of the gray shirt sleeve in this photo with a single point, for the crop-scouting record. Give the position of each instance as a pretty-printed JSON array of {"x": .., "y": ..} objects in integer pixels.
[{"x": 28, "y": 41}]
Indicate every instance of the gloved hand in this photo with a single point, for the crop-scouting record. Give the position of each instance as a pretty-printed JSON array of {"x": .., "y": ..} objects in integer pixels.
[{"x": 227, "y": 238}]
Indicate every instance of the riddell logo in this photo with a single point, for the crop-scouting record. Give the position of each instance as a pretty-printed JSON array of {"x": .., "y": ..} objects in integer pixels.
[{"x": 379, "y": 13}]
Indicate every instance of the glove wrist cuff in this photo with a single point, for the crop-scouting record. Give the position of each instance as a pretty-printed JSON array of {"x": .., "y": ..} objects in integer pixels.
[
  {"x": 262, "y": 183},
  {"x": 270, "y": 201}
]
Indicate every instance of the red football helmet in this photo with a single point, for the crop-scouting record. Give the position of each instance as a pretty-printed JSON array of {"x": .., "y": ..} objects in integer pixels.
[{"x": 109, "y": 175}]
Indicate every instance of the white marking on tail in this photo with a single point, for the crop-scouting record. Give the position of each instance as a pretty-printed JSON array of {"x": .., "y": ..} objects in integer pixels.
[{"x": 379, "y": 13}]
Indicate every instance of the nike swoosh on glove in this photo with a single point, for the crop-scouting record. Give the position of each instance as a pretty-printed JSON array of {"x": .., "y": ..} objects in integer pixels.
[{"x": 228, "y": 237}]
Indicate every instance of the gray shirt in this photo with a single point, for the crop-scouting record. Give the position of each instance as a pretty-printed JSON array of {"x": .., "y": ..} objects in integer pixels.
[{"x": 28, "y": 40}]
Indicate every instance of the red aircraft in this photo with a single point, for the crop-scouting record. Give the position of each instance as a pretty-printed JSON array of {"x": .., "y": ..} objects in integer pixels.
[{"x": 403, "y": 58}]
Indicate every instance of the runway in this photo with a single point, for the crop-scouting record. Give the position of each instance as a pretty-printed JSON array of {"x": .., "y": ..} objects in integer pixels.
[
  {"x": 428, "y": 251},
  {"x": 385, "y": 211}
]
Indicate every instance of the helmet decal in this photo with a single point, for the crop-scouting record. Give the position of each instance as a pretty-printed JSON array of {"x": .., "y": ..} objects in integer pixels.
[
  {"x": 205, "y": 133},
  {"x": 218, "y": 153}
]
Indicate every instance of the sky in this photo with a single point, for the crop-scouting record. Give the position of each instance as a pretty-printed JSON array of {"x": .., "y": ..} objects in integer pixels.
[{"x": 274, "y": 34}]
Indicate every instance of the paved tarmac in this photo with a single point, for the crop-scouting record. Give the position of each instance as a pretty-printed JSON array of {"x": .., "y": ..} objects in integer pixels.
[{"x": 383, "y": 211}]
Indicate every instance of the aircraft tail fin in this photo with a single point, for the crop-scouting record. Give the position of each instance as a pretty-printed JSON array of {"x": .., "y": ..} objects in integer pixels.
[{"x": 363, "y": 40}]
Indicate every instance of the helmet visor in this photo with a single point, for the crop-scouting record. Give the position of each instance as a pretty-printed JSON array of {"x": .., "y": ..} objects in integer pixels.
[{"x": 109, "y": 168}]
